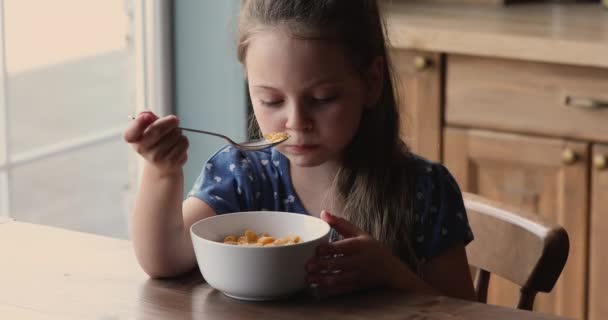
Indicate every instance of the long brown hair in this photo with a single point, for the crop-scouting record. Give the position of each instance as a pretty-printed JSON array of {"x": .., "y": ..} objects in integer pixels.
[{"x": 372, "y": 189}]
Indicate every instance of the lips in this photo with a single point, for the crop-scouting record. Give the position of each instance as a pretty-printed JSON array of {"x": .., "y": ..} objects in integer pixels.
[{"x": 301, "y": 148}]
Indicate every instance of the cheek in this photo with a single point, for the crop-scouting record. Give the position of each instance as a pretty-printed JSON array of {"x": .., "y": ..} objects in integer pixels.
[
  {"x": 340, "y": 124},
  {"x": 268, "y": 119},
  {"x": 349, "y": 113},
  {"x": 342, "y": 117}
]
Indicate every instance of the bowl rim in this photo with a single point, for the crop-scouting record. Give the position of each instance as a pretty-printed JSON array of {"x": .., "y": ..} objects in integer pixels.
[{"x": 193, "y": 234}]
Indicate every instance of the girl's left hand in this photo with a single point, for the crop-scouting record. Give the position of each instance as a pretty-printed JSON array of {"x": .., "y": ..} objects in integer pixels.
[{"x": 357, "y": 262}]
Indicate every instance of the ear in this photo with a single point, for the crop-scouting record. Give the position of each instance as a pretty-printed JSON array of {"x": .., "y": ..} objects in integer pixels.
[{"x": 374, "y": 80}]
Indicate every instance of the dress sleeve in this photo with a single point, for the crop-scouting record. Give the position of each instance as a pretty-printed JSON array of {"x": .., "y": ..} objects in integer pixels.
[
  {"x": 441, "y": 213},
  {"x": 222, "y": 182}
]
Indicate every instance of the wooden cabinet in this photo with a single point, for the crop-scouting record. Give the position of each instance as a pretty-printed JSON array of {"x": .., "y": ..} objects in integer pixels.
[
  {"x": 532, "y": 173},
  {"x": 524, "y": 96},
  {"x": 418, "y": 83},
  {"x": 508, "y": 132},
  {"x": 528, "y": 128},
  {"x": 515, "y": 102},
  {"x": 598, "y": 259}
]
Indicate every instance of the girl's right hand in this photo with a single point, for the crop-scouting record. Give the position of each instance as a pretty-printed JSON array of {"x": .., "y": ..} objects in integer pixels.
[{"x": 159, "y": 141}]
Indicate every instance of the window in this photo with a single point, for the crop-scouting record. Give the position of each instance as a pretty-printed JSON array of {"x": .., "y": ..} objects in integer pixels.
[{"x": 67, "y": 84}]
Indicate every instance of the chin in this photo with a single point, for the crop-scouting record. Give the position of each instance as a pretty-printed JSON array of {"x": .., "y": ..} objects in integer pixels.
[
  {"x": 307, "y": 159},
  {"x": 306, "y": 162}
]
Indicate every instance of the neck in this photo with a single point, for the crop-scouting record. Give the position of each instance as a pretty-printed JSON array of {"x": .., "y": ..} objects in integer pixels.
[
  {"x": 319, "y": 177},
  {"x": 312, "y": 185}
]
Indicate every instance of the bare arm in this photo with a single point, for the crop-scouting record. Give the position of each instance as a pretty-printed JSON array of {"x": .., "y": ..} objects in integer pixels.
[
  {"x": 159, "y": 223},
  {"x": 156, "y": 226},
  {"x": 160, "y": 232}
]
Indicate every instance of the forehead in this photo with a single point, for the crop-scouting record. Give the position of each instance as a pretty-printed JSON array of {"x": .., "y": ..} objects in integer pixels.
[{"x": 274, "y": 55}]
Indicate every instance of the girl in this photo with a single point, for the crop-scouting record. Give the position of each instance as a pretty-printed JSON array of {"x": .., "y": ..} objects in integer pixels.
[{"x": 318, "y": 70}]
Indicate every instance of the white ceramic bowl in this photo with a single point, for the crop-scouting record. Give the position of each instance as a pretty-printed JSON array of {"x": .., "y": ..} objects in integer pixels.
[{"x": 257, "y": 273}]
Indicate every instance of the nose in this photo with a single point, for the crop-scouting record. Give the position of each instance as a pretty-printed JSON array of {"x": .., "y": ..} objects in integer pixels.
[{"x": 298, "y": 118}]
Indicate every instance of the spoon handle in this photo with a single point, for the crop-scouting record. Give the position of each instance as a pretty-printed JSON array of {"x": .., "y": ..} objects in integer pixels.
[
  {"x": 202, "y": 131},
  {"x": 205, "y": 132}
]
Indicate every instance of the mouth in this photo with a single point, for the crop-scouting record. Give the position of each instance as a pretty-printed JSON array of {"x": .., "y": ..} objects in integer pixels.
[{"x": 301, "y": 148}]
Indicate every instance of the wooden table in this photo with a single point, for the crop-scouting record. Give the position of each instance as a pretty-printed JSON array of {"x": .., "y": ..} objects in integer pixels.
[{"x": 50, "y": 273}]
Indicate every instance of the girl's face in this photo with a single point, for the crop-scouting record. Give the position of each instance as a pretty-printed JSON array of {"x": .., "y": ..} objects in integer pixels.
[{"x": 309, "y": 89}]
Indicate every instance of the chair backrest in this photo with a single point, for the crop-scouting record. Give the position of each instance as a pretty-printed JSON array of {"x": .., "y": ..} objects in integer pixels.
[{"x": 516, "y": 245}]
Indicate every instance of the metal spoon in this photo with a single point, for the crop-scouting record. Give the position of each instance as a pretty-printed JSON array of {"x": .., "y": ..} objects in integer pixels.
[{"x": 253, "y": 145}]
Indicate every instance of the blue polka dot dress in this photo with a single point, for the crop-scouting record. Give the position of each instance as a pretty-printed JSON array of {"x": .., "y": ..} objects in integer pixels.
[{"x": 233, "y": 180}]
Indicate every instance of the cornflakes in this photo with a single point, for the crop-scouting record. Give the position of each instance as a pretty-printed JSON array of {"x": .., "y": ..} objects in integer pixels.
[
  {"x": 276, "y": 136},
  {"x": 250, "y": 238}
]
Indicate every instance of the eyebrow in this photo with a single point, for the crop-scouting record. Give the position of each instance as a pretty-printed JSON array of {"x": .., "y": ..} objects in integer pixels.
[{"x": 313, "y": 84}]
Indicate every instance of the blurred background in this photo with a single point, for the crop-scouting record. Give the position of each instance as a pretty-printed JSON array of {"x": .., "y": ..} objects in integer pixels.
[
  {"x": 510, "y": 95},
  {"x": 72, "y": 72}
]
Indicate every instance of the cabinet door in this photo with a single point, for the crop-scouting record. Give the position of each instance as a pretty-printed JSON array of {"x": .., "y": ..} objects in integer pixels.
[
  {"x": 598, "y": 259},
  {"x": 547, "y": 176},
  {"x": 418, "y": 82}
]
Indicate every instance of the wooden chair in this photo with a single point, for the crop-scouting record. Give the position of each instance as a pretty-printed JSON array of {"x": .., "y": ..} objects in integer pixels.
[{"x": 518, "y": 246}]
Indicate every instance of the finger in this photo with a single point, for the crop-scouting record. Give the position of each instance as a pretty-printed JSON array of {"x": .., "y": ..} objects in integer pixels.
[
  {"x": 182, "y": 157},
  {"x": 348, "y": 246},
  {"x": 343, "y": 226},
  {"x": 181, "y": 161},
  {"x": 167, "y": 143},
  {"x": 177, "y": 153},
  {"x": 136, "y": 128},
  {"x": 157, "y": 130},
  {"x": 342, "y": 263}
]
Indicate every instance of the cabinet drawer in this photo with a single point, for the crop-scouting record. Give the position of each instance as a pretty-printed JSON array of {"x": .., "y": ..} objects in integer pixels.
[{"x": 523, "y": 96}]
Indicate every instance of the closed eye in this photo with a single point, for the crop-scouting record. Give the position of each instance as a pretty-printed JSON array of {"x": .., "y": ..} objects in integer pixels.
[
  {"x": 324, "y": 99},
  {"x": 273, "y": 103}
]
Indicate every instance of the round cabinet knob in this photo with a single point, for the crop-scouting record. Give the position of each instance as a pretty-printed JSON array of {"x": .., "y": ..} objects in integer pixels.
[
  {"x": 421, "y": 63},
  {"x": 568, "y": 156},
  {"x": 600, "y": 161}
]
